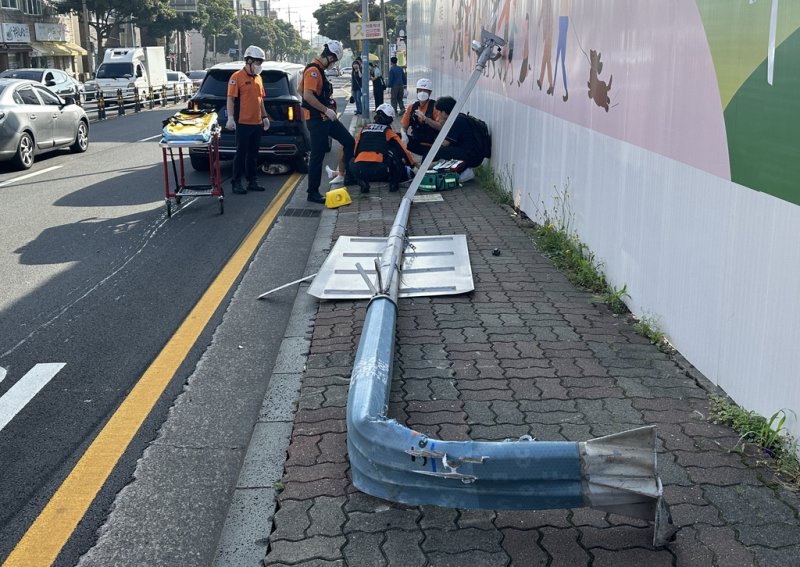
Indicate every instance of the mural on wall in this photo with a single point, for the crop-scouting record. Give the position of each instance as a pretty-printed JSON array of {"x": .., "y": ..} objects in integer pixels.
[
  {"x": 759, "y": 86},
  {"x": 709, "y": 83}
]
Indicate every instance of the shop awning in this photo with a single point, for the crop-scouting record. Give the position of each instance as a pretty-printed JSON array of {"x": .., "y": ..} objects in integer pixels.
[{"x": 56, "y": 48}]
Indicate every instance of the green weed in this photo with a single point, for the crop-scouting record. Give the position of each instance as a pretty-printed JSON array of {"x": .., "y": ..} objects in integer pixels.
[
  {"x": 769, "y": 435},
  {"x": 615, "y": 298},
  {"x": 278, "y": 486},
  {"x": 499, "y": 185},
  {"x": 556, "y": 239},
  {"x": 650, "y": 328}
]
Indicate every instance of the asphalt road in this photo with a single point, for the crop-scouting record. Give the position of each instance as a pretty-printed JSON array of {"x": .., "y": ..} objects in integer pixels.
[{"x": 95, "y": 277}]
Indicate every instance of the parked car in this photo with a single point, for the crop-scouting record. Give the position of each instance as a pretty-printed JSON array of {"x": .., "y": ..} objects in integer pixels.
[
  {"x": 55, "y": 79},
  {"x": 176, "y": 79},
  {"x": 197, "y": 78},
  {"x": 34, "y": 120},
  {"x": 287, "y": 140},
  {"x": 333, "y": 72}
]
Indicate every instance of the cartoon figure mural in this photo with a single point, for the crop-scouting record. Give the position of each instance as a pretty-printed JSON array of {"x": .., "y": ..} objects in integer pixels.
[
  {"x": 561, "y": 49},
  {"x": 598, "y": 90},
  {"x": 525, "y": 65},
  {"x": 738, "y": 121},
  {"x": 546, "y": 25}
]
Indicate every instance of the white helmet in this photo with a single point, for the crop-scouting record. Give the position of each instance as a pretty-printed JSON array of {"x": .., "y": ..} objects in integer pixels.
[
  {"x": 255, "y": 52},
  {"x": 426, "y": 84},
  {"x": 335, "y": 47},
  {"x": 387, "y": 109}
]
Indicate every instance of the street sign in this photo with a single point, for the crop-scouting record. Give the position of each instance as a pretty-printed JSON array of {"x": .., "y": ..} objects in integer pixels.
[{"x": 368, "y": 30}]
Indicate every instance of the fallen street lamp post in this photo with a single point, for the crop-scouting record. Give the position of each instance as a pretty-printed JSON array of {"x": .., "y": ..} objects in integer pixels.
[{"x": 615, "y": 473}]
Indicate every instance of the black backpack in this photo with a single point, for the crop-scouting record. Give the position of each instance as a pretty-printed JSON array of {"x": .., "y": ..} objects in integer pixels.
[{"x": 480, "y": 134}]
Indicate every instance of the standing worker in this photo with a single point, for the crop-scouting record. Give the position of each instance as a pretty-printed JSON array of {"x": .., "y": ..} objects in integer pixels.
[
  {"x": 396, "y": 86},
  {"x": 322, "y": 120},
  {"x": 422, "y": 119},
  {"x": 379, "y": 154},
  {"x": 247, "y": 115}
]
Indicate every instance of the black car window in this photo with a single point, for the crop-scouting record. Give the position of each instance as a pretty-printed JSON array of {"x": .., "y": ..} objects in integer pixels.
[
  {"x": 27, "y": 96},
  {"x": 114, "y": 70},
  {"x": 46, "y": 96},
  {"x": 276, "y": 83},
  {"x": 27, "y": 75},
  {"x": 172, "y": 76}
]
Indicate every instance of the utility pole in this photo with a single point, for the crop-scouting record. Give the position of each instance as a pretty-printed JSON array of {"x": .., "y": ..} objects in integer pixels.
[
  {"x": 87, "y": 43},
  {"x": 365, "y": 62},
  {"x": 385, "y": 46},
  {"x": 239, "y": 22}
]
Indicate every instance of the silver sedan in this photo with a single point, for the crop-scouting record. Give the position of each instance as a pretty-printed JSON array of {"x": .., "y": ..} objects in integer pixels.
[{"x": 34, "y": 120}]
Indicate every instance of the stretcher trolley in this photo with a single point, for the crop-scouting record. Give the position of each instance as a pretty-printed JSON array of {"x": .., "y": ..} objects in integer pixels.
[{"x": 172, "y": 151}]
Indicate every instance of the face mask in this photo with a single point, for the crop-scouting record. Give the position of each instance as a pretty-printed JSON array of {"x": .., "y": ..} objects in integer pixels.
[
  {"x": 422, "y": 96},
  {"x": 256, "y": 70}
]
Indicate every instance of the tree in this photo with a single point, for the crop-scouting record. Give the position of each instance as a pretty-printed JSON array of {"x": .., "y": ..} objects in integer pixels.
[
  {"x": 107, "y": 15},
  {"x": 219, "y": 19},
  {"x": 279, "y": 39},
  {"x": 335, "y": 18}
]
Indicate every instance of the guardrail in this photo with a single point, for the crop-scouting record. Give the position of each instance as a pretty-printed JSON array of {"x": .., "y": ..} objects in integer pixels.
[{"x": 124, "y": 101}]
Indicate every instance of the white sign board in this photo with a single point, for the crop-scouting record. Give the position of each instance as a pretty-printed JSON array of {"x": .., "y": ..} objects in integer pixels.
[
  {"x": 51, "y": 32},
  {"x": 16, "y": 33},
  {"x": 368, "y": 30}
]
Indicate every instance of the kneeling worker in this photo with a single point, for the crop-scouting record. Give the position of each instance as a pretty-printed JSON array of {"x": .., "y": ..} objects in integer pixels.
[
  {"x": 459, "y": 144},
  {"x": 419, "y": 126},
  {"x": 379, "y": 153}
]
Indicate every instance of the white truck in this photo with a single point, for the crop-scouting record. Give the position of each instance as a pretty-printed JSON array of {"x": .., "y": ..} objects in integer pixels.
[{"x": 130, "y": 68}]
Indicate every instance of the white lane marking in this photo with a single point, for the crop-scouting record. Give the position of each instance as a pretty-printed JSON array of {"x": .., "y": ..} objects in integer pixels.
[
  {"x": 2, "y": 373},
  {"x": 29, "y": 175},
  {"x": 23, "y": 391},
  {"x": 150, "y": 138}
]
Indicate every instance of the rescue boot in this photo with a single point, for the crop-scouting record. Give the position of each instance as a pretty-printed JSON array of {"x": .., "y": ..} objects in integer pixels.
[
  {"x": 315, "y": 197},
  {"x": 364, "y": 185},
  {"x": 254, "y": 186},
  {"x": 394, "y": 186},
  {"x": 236, "y": 187}
]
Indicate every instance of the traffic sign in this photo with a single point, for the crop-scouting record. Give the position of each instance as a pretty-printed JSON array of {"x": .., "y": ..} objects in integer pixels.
[{"x": 366, "y": 30}]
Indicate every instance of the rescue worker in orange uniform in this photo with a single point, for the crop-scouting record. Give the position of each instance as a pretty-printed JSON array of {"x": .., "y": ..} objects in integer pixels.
[
  {"x": 380, "y": 154},
  {"x": 422, "y": 120},
  {"x": 247, "y": 115},
  {"x": 322, "y": 120}
]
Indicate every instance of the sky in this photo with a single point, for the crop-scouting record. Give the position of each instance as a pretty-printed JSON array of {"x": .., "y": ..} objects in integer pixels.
[{"x": 297, "y": 11}]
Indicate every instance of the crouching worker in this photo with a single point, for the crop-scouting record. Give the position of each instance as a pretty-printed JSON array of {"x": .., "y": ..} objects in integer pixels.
[
  {"x": 419, "y": 124},
  {"x": 460, "y": 143},
  {"x": 379, "y": 153}
]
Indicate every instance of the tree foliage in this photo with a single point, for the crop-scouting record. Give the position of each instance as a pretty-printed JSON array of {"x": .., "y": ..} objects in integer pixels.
[
  {"x": 334, "y": 20},
  {"x": 279, "y": 39},
  {"x": 105, "y": 16}
]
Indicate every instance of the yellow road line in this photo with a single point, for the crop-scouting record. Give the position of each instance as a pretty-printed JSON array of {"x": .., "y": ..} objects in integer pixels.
[{"x": 43, "y": 541}]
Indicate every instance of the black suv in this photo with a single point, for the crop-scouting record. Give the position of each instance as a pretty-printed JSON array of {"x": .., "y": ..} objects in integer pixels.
[{"x": 287, "y": 140}]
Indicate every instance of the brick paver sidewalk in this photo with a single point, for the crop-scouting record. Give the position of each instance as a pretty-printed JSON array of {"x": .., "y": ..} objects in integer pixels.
[{"x": 524, "y": 354}]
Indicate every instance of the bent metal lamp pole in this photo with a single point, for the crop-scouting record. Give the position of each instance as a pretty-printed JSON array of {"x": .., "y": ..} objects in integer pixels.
[{"x": 616, "y": 473}]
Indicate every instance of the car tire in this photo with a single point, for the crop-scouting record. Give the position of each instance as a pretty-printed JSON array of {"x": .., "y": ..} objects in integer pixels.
[
  {"x": 199, "y": 161},
  {"x": 81, "y": 143},
  {"x": 300, "y": 164},
  {"x": 23, "y": 159}
]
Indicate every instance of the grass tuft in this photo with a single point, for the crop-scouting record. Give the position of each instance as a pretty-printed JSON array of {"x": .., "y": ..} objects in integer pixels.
[
  {"x": 556, "y": 240},
  {"x": 777, "y": 447},
  {"x": 650, "y": 328},
  {"x": 499, "y": 186}
]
